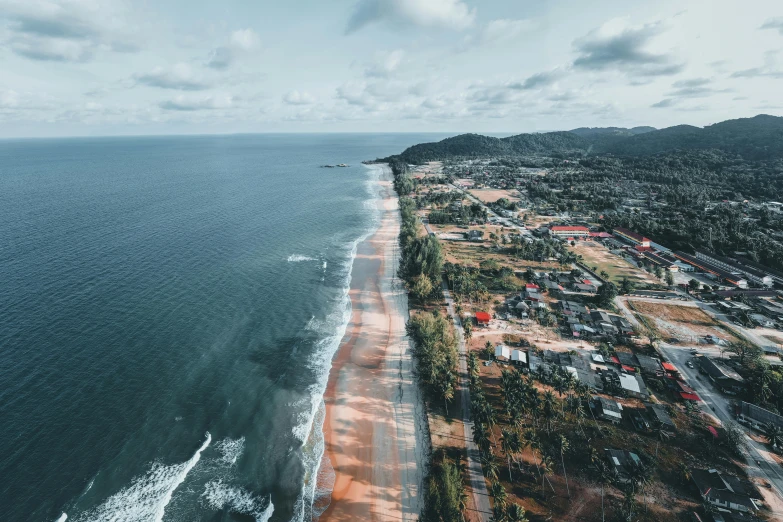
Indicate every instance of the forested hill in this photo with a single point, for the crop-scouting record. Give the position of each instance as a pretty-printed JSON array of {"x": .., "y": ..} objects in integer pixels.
[
  {"x": 604, "y": 137},
  {"x": 757, "y": 138},
  {"x": 478, "y": 146}
]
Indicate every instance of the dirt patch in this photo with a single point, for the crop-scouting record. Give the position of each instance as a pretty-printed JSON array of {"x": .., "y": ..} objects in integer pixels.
[
  {"x": 597, "y": 255},
  {"x": 686, "y": 323}
]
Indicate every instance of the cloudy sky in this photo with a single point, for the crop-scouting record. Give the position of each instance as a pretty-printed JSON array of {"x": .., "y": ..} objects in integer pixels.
[{"x": 97, "y": 67}]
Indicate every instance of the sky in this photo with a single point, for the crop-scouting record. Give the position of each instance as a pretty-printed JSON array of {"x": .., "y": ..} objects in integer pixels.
[{"x": 121, "y": 67}]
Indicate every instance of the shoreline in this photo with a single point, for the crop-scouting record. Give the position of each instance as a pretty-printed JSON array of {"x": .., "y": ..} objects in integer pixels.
[{"x": 375, "y": 426}]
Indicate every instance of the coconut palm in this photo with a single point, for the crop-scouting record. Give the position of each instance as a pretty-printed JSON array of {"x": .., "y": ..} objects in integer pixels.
[
  {"x": 498, "y": 492},
  {"x": 604, "y": 476},
  {"x": 506, "y": 445},
  {"x": 490, "y": 466},
  {"x": 774, "y": 434},
  {"x": 516, "y": 513},
  {"x": 563, "y": 445}
]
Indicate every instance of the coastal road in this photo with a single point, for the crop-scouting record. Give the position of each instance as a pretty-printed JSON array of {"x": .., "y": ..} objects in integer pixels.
[
  {"x": 759, "y": 463},
  {"x": 716, "y": 405},
  {"x": 477, "y": 483}
]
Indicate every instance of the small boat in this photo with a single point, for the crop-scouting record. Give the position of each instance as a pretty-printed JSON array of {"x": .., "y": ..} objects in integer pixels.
[{"x": 327, "y": 166}]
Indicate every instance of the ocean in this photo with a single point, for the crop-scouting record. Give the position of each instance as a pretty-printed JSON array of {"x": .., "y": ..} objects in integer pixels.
[{"x": 169, "y": 309}]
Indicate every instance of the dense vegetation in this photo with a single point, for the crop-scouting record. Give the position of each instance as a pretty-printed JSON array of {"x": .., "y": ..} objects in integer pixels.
[{"x": 754, "y": 139}]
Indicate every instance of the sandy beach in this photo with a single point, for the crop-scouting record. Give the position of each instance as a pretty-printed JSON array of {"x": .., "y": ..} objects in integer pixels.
[{"x": 375, "y": 428}]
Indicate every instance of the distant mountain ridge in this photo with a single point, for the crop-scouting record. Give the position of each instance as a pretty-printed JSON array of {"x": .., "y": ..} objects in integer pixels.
[{"x": 756, "y": 138}]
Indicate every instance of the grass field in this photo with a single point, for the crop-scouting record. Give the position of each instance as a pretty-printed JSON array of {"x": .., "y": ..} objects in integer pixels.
[
  {"x": 492, "y": 195},
  {"x": 597, "y": 255}
]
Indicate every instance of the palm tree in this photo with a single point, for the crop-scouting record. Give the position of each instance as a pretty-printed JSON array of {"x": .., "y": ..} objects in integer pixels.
[
  {"x": 549, "y": 409},
  {"x": 774, "y": 434},
  {"x": 506, "y": 447},
  {"x": 516, "y": 513},
  {"x": 498, "y": 492},
  {"x": 604, "y": 476},
  {"x": 490, "y": 466},
  {"x": 563, "y": 446},
  {"x": 546, "y": 469}
]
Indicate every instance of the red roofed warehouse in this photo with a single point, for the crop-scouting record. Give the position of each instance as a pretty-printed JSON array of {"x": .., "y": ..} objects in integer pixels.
[
  {"x": 561, "y": 231},
  {"x": 631, "y": 236},
  {"x": 482, "y": 318}
]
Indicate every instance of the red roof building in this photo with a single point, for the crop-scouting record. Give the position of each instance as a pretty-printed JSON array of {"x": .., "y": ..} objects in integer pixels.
[
  {"x": 669, "y": 367},
  {"x": 632, "y": 237},
  {"x": 483, "y": 318},
  {"x": 531, "y": 286}
]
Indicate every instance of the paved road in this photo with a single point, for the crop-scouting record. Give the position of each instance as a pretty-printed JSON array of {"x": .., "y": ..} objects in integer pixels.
[
  {"x": 716, "y": 405},
  {"x": 475, "y": 474}
]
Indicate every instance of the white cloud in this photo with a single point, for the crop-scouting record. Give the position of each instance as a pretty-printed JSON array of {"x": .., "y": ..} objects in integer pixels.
[
  {"x": 505, "y": 29},
  {"x": 241, "y": 42},
  {"x": 180, "y": 77},
  {"x": 299, "y": 98},
  {"x": 63, "y": 30},
  {"x": 9, "y": 99},
  {"x": 385, "y": 64},
  {"x": 191, "y": 103},
  {"x": 628, "y": 49},
  {"x": 449, "y": 14}
]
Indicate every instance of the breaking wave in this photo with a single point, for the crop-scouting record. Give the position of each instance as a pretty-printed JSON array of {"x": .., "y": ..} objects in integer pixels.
[
  {"x": 298, "y": 258},
  {"x": 220, "y": 496},
  {"x": 145, "y": 500}
]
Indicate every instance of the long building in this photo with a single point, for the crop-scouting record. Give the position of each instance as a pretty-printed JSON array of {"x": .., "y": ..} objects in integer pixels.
[
  {"x": 753, "y": 274},
  {"x": 569, "y": 231},
  {"x": 706, "y": 266},
  {"x": 632, "y": 237},
  {"x": 657, "y": 260}
]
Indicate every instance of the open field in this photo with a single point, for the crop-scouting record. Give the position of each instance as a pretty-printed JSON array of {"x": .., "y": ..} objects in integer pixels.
[
  {"x": 687, "y": 323},
  {"x": 492, "y": 195},
  {"x": 595, "y": 254},
  {"x": 433, "y": 168},
  {"x": 472, "y": 253}
]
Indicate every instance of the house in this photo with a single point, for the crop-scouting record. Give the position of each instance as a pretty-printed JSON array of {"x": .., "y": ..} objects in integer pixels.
[
  {"x": 504, "y": 351},
  {"x": 598, "y": 316},
  {"x": 475, "y": 235},
  {"x": 622, "y": 324},
  {"x": 607, "y": 409},
  {"x": 551, "y": 285},
  {"x": 628, "y": 360},
  {"x": 649, "y": 365},
  {"x": 757, "y": 417},
  {"x": 585, "y": 289},
  {"x": 633, "y": 385},
  {"x": 762, "y": 320},
  {"x": 726, "y": 491},
  {"x": 568, "y": 231},
  {"x": 519, "y": 357},
  {"x": 632, "y": 237},
  {"x": 657, "y": 414},
  {"x": 726, "y": 379},
  {"x": 483, "y": 318},
  {"x": 623, "y": 463}
]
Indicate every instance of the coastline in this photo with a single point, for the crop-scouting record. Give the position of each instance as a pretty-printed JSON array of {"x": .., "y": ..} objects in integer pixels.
[{"x": 375, "y": 427}]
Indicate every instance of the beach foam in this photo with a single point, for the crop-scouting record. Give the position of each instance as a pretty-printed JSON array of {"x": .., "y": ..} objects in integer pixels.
[
  {"x": 220, "y": 496},
  {"x": 145, "y": 500},
  {"x": 298, "y": 258},
  {"x": 230, "y": 450},
  {"x": 309, "y": 429}
]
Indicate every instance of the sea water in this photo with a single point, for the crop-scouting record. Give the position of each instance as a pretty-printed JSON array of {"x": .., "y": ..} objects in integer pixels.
[{"x": 169, "y": 310}]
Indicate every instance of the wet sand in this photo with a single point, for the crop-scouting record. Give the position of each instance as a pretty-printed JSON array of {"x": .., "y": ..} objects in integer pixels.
[{"x": 375, "y": 429}]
